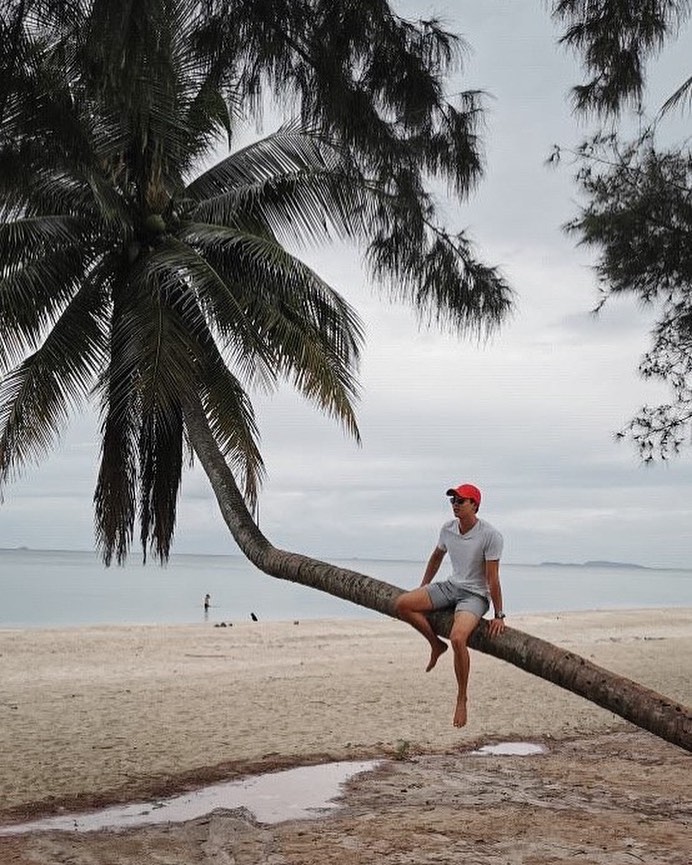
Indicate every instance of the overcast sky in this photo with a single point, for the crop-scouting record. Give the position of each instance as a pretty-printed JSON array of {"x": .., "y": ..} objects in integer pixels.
[{"x": 529, "y": 417}]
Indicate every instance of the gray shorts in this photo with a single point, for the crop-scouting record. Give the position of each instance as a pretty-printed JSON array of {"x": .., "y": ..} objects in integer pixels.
[{"x": 445, "y": 593}]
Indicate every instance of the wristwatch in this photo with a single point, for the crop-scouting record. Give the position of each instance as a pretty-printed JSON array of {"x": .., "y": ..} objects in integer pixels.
[{"x": 500, "y": 615}]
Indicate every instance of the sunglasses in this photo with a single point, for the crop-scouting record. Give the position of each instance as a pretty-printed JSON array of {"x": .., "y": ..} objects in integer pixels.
[{"x": 455, "y": 500}]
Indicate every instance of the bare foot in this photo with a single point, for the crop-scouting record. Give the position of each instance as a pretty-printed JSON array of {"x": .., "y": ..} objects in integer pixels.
[
  {"x": 438, "y": 649},
  {"x": 460, "y": 713}
]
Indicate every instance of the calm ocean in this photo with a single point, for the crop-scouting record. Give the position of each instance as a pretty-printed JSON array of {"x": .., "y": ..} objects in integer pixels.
[{"x": 46, "y": 588}]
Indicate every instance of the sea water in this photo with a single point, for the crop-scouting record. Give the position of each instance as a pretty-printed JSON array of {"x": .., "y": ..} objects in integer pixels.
[{"x": 48, "y": 588}]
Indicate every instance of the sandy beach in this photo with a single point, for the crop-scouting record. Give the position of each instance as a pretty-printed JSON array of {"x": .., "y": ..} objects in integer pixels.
[{"x": 113, "y": 714}]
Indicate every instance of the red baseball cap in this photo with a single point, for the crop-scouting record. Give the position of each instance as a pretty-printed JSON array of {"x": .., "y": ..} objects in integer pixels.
[{"x": 466, "y": 491}]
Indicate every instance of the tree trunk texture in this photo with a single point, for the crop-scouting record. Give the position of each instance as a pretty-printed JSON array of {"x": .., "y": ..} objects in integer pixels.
[{"x": 633, "y": 702}]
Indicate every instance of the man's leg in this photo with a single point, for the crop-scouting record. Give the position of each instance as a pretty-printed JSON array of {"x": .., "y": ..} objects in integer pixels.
[
  {"x": 464, "y": 625},
  {"x": 412, "y": 607}
]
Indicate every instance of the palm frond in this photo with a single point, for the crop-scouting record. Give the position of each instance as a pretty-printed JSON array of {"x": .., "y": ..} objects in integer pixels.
[
  {"x": 33, "y": 295},
  {"x": 186, "y": 267},
  {"x": 37, "y": 397},
  {"x": 320, "y": 196},
  {"x": 160, "y": 469},
  {"x": 115, "y": 496},
  {"x": 231, "y": 419},
  {"x": 682, "y": 94},
  {"x": 30, "y": 238},
  {"x": 288, "y": 306},
  {"x": 150, "y": 365},
  {"x": 305, "y": 209},
  {"x": 166, "y": 319},
  {"x": 312, "y": 332},
  {"x": 187, "y": 294},
  {"x": 289, "y": 149}
]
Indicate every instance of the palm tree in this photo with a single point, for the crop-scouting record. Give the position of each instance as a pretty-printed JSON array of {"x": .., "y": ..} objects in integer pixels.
[
  {"x": 142, "y": 282},
  {"x": 166, "y": 292}
]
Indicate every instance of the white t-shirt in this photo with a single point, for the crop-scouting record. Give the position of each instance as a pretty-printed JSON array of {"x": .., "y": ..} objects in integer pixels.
[{"x": 469, "y": 553}]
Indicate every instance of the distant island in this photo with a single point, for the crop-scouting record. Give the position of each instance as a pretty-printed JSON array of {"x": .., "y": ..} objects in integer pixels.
[{"x": 594, "y": 564}]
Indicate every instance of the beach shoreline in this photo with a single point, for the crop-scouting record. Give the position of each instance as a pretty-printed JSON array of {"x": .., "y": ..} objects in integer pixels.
[{"x": 113, "y": 714}]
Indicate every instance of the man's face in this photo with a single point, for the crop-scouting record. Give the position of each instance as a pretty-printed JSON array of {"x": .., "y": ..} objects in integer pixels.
[{"x": 462, "y": 506}]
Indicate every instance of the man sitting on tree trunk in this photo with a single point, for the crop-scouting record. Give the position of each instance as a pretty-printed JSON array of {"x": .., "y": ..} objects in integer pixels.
[{"x": 474, "y": 548}]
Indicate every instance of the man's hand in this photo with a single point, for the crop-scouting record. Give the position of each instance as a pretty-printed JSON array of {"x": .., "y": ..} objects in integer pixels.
[{"x": 496, "y": 626}]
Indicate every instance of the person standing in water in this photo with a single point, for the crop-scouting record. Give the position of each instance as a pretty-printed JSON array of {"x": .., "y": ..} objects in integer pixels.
[{"x": 474, "y": 548}]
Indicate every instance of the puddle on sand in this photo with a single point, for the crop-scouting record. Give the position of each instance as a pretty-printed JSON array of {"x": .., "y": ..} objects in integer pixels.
[
  {"x": 293, "y": 794},
  {"x": 510, "y": 749}
]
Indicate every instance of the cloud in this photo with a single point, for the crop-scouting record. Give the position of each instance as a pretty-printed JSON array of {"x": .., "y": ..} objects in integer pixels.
[{"x": 528, "y": 415}]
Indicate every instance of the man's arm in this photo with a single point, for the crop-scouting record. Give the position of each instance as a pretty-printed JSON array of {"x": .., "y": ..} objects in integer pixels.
[
  {"x": 433, "y": 565},
  {"x": 492, "y": 577}
]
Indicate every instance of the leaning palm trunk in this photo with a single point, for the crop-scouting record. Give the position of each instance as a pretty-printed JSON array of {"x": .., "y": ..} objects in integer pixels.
[{"x": 633, "y": 702}]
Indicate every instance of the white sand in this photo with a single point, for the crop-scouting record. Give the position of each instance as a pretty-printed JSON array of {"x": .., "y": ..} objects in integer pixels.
[{"x": 110, "y": 712}]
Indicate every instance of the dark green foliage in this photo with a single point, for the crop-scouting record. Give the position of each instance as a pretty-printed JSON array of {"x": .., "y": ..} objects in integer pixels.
[
  {"x": 614, "y": 39},
  {"x": 129, "y": 273},
  {"x": 639, "y": 195},
  {"x": 639, "y": 217}
]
